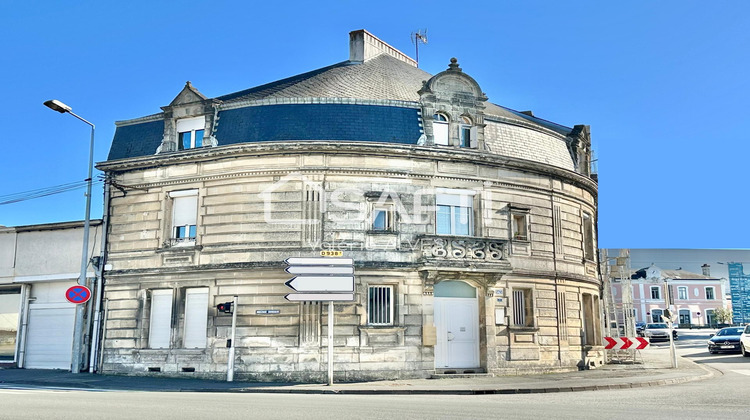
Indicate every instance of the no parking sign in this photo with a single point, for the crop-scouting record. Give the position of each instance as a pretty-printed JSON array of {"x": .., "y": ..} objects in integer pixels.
[{"x": 78, "y": 294}]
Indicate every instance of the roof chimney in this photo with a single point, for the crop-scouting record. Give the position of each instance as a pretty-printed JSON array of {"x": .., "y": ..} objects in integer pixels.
[
  {"x": 706, "y": 270},
  {"x": 364, "y": 46}
]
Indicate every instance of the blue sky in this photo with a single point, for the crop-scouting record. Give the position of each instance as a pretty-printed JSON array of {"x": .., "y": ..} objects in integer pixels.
[{"x": 664, "y": 86}]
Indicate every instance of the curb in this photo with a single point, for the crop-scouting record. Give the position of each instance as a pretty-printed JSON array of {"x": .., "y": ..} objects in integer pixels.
[
  {"x": 709, "y": 373},
  {"x": 496, "y": 391}
]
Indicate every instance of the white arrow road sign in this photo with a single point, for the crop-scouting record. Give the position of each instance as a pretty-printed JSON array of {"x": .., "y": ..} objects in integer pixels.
[
  {"x": 319, "y": 269},
  {"x": 319, "y": 261},
  {"x": 338, "y": 297},
  {"x": 322, "y": 283}
]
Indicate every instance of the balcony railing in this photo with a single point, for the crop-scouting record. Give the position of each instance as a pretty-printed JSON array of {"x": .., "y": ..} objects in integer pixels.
[{"x": 462, "y": 248}]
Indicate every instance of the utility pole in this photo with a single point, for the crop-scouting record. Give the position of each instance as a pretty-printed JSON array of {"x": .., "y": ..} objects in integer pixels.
[{"x": 667, "y": 316}]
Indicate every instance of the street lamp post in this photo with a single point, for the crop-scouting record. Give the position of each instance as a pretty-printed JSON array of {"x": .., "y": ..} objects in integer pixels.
[{"x": 76, "y": 362}]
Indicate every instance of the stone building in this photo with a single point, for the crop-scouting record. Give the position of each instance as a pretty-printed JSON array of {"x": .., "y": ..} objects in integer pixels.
[{"x": 472, "y": 227}]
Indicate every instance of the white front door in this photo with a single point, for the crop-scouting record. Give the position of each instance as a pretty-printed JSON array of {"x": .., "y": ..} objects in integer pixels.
[{"x": 457, "y": 324}]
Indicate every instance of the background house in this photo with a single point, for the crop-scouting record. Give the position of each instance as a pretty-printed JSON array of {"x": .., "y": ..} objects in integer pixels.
[{"x": 692, "y": 297}]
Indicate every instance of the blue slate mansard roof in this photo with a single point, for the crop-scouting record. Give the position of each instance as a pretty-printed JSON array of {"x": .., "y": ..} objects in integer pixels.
[
  {"x": 319, "y": 122},
  {"x": 136, "y": 140},
  {"x": 387, "y": 107}
]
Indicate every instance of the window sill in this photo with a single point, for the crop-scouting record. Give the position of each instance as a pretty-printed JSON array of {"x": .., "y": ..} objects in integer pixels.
[
  {"x": 518, "y": 328},
  {"x": 382, "y": 232},
  {"x": 384, "y": 329},
  {"x": 173, "y": 350},
  {"x": 179, "y": 248}
]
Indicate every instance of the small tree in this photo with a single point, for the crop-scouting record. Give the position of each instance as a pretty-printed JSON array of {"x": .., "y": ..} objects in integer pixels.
[{"x": 723, "y": 315}]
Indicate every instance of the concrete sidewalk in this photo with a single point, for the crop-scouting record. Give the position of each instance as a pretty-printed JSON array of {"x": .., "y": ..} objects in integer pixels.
[{"x": 655, "y": 370}]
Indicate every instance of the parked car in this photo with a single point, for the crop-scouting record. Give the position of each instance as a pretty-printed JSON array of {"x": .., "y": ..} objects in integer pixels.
[
  {"x": 639, "y": 328},
  {"x": 745, "y": 341},
  {"x": 726, "y": 339},
  {"x": 658, "y": 331}
]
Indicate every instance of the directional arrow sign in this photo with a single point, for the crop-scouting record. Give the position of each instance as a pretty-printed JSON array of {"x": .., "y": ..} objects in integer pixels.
[
  {"x": 337, "y": 297},
  {"x": 625, "y": 343},
  {"x": 322, "y": 283},
  {"x": 319, "y": 261},
  {"x": 641, "y": 343},
  {"x": 611, "y": 343},
  {"x": 319, "y": 269}
]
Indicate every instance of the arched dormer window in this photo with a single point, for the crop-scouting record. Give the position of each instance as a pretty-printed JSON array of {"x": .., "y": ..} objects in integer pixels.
[
  {"x": 440, "y": 129},
  {"x": 465, "y": 132}
]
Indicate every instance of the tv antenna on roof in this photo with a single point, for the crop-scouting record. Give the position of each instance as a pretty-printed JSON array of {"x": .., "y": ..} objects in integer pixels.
[{"x": 416, "y": 38}]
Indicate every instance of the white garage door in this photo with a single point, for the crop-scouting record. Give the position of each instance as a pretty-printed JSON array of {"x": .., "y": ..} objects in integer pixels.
[{"x": 49, "y": 339}]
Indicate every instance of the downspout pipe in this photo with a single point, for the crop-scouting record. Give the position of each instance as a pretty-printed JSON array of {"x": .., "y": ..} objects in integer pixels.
[{"x": 93, "y": 365}]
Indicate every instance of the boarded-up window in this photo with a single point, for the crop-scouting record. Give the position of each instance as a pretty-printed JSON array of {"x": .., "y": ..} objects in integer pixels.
[
  {"x": 588, "y": 237},
  {"x": 196, "y": 317},
  {"x": 160, "y": 322}
]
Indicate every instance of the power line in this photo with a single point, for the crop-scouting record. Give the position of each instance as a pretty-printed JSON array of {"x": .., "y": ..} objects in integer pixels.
[{"x": 44, "y": 192}]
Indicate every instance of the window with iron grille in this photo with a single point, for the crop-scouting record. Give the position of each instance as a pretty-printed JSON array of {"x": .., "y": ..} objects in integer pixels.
[
  {"x": 380, "y": 305},
  {"x": 523, "y": 311}
]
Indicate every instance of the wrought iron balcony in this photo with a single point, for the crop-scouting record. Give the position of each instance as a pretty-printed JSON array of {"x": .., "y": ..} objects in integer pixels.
[{"x": 462, "y": 248}]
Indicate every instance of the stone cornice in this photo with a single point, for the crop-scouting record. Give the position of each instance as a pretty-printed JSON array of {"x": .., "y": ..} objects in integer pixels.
[
  {"x": 346, "y": 148},
  {"x": 415, "y": 266}
]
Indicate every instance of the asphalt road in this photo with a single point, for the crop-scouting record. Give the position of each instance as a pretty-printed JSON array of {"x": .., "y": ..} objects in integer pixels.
[{"x": 725, "y": 396}]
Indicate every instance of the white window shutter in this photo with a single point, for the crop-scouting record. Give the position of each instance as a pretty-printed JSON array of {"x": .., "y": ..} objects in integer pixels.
[
  {"x": 440, "y": 132},
  {"x": 196, "y": 317},
  {"x": 185, "y": 211},
  {"x": 473, "y": 142},
  {"x": 160, "y": 324},
  {"x": 190, "y": 124}
]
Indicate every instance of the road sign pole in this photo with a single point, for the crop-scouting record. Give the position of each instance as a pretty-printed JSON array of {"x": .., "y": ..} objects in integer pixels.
[
  {"x": 230, "y": 359},
  {"x": 330, "y": 343}
]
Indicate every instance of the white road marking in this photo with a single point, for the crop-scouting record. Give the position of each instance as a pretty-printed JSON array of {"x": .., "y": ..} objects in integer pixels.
[{"x": 742, "y": 371}]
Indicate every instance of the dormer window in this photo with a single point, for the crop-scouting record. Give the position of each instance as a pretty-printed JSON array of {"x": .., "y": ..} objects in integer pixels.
[
  {"x": 440, "y": 129},
  {"x": 190, "y": 133},
  {"x": 465, "y": 132}
]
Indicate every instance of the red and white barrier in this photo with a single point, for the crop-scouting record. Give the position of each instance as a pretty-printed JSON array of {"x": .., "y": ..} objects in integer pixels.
[{"x": 625, "y": 343}]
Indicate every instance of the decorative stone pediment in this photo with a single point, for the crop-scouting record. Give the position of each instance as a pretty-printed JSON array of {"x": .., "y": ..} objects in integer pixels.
[
  {"x": 485, "y": 281},
  {"x": 458, "y": 96},
  {"x": 189, "y": 94},
  {"x": 189, "y": 103}
]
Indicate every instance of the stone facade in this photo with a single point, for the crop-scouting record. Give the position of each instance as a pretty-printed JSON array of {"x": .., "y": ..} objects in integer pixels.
[{"x": 429, "y": 225}]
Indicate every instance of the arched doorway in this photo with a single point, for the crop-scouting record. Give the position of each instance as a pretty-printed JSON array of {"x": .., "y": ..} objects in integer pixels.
[{"x": 457, "y": 324}]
